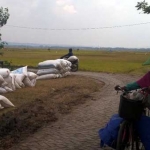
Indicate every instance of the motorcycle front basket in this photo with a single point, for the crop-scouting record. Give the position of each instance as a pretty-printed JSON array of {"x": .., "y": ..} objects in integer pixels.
[{"x": 130, "y": 109}]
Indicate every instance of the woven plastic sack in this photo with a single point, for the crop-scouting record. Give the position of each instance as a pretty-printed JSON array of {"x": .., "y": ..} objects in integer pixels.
[
  {"x": 19, "y": 79},
  {"x": 27, "y": 82},
  {"x": 32, "y": 75},
  {"x": 49, "y": 64},
  {"x": 47, "y": 76},
  {"x": 73, "y": 58},
  {"x": 4, "y": 72},
  {"x": 2, "y": 90},
  {"x": 5, "y": 102},
  {"x": 13, "y": 81},
  {"x": 47, "y": 71},
  {"x": 1, "y": 80},
  {"x": 9, "y": 81}
]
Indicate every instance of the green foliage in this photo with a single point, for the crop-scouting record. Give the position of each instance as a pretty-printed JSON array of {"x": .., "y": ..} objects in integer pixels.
[
  {"x": 4, "y": 15},
  {"x": 49, "y": 49},
  {"x": 2, "y": 45},
  {"x": 7, "y": 64},
  {"x": 143, "y": 6}
]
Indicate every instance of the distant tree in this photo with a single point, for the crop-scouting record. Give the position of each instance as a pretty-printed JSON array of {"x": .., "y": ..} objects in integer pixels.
[
  {"x": 49, "y": 49},
  {"x": 4, "y": 15},
  {"x": 143, "y": 6}
]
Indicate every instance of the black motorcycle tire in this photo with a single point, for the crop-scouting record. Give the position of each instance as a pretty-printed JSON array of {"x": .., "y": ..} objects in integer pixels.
[{"x": 74, "y": 67}]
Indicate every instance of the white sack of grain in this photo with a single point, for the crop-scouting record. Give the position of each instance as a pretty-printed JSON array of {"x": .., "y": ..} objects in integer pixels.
[
  {"x": 48, "y": 71},
  {"x": 73, "y": 58},
  {"x": 69, "y": 63},
  {"x": 49, "y": 64},
  {"x": 19, "y": 79},
  {"x": 65, "y": 63},
  {"x": 33, "y": 82},
  {"x": 65, "y": 66},
  {"x": 1, "y": 107},
  {"x": 17, "y": 85},
  {"x": 47, "y": 76},
  {"x": 1, "y": 80},
  {"x": 66, "y": 74},
  {"x": 4, "y": 72},
  {"x": 60, "y": 75},
  {"x": 13, "y": 81},
  {"x": 4, "y": 84},
  {"x": 65, "y": 69},
  {"x": 22, "y": 70},
  {"x": 32, "y": 75},
  {"x": 8, "y": 89},
  {"x": 26, "y": 81},
  {"x": 5, "y": 102},
  {"x": 9, "y": 81},
  {"x": 2, "y": 90}
]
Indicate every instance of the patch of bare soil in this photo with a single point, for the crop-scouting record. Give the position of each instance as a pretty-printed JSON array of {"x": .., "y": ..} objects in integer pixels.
[{"x": 17, "y": 124}]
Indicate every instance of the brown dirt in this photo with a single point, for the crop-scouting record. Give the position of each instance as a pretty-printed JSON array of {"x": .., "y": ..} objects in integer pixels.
[
  {"x": 78, "y": 130},
  {"x": 17, "y": 124}
]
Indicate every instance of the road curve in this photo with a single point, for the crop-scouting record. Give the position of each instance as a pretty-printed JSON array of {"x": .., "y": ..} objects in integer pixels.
[{"x": 79, "y": 129}]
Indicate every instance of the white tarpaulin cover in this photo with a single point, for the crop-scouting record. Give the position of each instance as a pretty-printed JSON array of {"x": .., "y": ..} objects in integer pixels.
[{"x": 22, "y": 70}]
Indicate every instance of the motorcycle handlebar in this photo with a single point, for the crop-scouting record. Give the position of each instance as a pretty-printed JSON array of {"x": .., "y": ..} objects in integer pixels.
[{"x": 123, "y": 89}]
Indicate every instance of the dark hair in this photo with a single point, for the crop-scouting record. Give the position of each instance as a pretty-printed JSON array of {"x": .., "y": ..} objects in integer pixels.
[{"x": 70, "y": 49}]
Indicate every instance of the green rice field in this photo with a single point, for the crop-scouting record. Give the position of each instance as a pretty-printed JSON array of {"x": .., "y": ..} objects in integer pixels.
[{"x": 89, "y": 60}]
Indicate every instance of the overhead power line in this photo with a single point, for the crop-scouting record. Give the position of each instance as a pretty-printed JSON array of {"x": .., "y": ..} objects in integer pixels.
[{"x": 55, "y": 29}]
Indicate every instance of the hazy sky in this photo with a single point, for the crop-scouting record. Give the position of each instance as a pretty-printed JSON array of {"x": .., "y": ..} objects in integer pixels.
[{"x": 84, "y": 23}]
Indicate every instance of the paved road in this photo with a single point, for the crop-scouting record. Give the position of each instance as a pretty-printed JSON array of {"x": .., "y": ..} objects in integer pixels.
[{"x": 79, "y": 129}]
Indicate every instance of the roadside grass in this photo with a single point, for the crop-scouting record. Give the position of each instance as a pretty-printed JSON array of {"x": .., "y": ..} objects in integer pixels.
[
  {"x": 42, "y": 104},
  {"x": 115, "y": 62},
  {"x": 89, "y": 60}
]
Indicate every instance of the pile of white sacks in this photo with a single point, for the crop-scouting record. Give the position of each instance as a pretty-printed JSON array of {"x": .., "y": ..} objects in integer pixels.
[
  {"x": 12, "y": 80},
  {"x": 20, "y": 78},
  {"x": 51, "y": 69}
]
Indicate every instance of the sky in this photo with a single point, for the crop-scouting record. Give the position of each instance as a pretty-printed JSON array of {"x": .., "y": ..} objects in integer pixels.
[{"x": 97, "y": 23}]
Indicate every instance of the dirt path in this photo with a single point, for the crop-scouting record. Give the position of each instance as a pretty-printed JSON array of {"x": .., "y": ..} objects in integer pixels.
[{"x": 79, "y": 129}]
